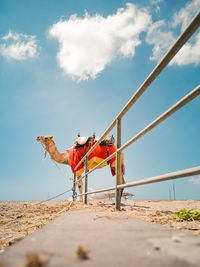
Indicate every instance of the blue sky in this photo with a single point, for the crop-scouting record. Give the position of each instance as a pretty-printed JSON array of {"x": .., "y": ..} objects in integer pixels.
[{"x": 62, "y": 74}]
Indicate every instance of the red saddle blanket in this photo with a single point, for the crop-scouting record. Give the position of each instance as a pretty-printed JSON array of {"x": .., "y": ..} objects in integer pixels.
[{"x": 98, "y": 155}]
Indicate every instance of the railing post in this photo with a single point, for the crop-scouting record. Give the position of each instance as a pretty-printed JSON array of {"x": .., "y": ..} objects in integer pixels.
[
  {"x": 74, "y": 194},
  {"x": 86, "y": 179},
  {"x": 118, "y": 166}
]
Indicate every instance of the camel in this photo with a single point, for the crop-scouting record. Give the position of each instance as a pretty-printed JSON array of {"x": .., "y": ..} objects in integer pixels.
[{"x": 66, "y": 158}]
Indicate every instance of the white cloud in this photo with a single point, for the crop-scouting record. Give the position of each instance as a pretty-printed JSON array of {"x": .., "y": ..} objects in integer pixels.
[
  {"x": 185, "y": 14},
  {"x": 156, "y": 2},
  {"x": 189, "y": 53},
  {"x": 160, "y": 39},
  {"x": 87, "y": 45},
  {"x": 18, "y": 46},
  {"x": 195, "y": 180},
  {"x": 156, "y": 5}
]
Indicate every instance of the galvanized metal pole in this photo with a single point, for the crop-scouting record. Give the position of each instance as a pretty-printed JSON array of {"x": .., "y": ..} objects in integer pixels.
[
  {"x": 118, "y": 166},
  {"x": 86, "y": 179}
]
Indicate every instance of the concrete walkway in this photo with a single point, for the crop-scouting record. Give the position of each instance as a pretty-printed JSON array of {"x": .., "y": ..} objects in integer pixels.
[{"x": 112, "y": 240}]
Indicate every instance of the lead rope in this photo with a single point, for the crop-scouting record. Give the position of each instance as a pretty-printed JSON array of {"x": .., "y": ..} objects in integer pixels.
[{"x": 51, "y": 198}]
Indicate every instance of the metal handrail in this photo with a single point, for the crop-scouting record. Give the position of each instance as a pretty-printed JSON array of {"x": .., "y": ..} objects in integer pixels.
[
  {"x": 181, "y": 40},
  {"x": 189, "y": 97},
  {"x": 186, "y": 99},
  {"x": 160, "y": 178}
]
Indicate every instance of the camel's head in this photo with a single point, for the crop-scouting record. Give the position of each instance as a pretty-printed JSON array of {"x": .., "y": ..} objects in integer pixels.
[{"x": 45, "y": 140}]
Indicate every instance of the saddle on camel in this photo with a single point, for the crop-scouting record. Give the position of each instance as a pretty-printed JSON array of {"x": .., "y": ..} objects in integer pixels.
[{"x": 81, "y": 146}]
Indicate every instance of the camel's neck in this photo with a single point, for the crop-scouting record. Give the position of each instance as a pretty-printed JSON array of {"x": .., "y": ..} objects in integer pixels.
[{"x": 56, "y": 155}]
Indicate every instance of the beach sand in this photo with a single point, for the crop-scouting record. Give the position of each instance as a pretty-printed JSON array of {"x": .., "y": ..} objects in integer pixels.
[{"x": 18, "y": 219}]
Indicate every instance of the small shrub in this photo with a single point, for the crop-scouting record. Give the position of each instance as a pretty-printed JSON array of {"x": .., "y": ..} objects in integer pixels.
[{"x": 187, "y": 215}]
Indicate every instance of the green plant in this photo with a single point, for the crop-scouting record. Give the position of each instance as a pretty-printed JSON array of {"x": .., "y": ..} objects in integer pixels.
[{"x": 187, "y": 215}]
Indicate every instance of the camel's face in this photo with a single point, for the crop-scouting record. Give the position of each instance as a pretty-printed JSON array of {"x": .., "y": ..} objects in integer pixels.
[{"x": 46, "y": 140}]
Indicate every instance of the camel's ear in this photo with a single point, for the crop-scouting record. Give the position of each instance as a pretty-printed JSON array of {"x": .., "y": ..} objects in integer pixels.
[{"x": 51, "y": 137}]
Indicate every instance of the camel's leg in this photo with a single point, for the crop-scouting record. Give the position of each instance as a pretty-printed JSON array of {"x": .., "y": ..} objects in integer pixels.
[
  {"x": 122, "y": 181},
  {"x": 80, "y": 187}
]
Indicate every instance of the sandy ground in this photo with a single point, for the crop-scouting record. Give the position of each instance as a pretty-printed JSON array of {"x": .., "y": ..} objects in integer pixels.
[{"x": 17, "y": 219}]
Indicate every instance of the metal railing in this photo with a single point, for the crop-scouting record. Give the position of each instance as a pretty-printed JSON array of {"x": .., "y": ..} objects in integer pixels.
[
  {"x": 182, "y": 39},
  {"x": 160, "y": 178}
]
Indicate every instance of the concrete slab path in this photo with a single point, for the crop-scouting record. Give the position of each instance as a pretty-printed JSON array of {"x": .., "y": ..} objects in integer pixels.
[{"x": 113, "y": 240}]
